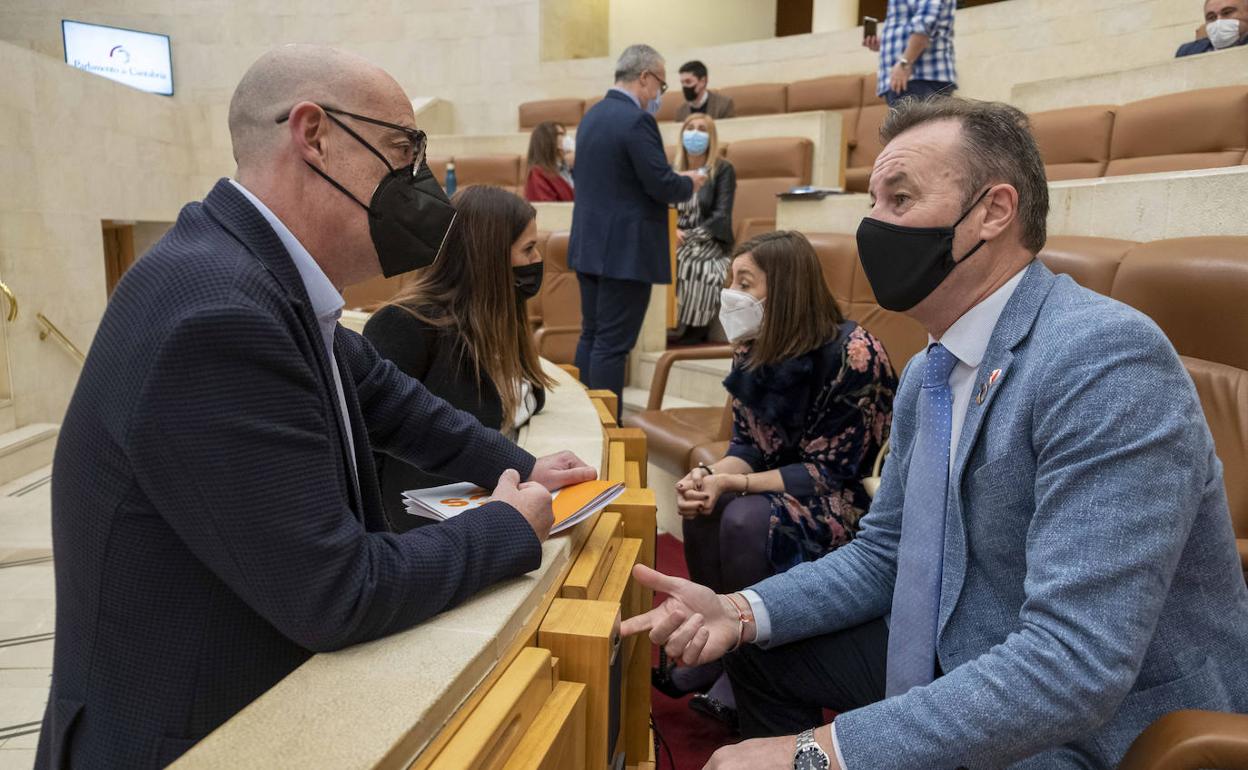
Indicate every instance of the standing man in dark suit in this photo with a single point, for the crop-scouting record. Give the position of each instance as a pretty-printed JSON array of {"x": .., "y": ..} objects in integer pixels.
[
  {"x": 216, "y": 517},
  {"x": 619, "y": 245}
]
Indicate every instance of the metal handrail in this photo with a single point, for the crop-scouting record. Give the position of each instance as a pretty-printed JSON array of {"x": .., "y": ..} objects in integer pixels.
[
  {"x": 7, "y": 292},
  {"x": 49, "y": 329}
]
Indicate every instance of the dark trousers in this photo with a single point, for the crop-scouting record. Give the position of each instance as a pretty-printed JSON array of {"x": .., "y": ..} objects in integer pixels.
[
  {"x": 612, "y": 311},
  {"x": 783, "y": 691},
  {"x": 921, "y": 89}
]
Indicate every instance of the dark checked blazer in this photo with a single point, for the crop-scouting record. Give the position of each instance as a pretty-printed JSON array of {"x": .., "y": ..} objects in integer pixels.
[{"x": 207, "y": 532}]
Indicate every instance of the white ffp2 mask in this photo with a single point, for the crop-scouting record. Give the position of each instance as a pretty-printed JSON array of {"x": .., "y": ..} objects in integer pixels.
[
  {"x": 1223, "y": 33},
  {"x": 568, "y": 144},
  {"x": 740, "y": 314}
]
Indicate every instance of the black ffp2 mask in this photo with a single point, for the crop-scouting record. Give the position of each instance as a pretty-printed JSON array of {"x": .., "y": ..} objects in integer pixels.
[
  {"x": 409, "y": 216},
  {"x": 528, "y": 279},
  {"x": 690, "y": 93},
  {"x": 906, "y": 264}
]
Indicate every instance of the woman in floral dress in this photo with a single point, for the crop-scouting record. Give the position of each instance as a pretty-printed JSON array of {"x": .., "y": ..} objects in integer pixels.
[{"x": 812, "y": 404}]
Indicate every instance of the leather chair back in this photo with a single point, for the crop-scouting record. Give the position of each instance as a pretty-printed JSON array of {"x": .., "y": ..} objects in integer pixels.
[
  {"x": 1074, "y": 142},
  {"x": 837, "y": 92},
  {"x": 534, "y": 306},
  {"x": 565, "y": 111},
  {"x": 371, "y": 294},
  {"x": 757, "y": 99},
  {"x": 1092, "y": 262},
  {"x": 559, "y": 301},
  {"x": 1194, "y": 288},
  {"x": 505, "y": 171},
  {"x": 668, "y": 105},
  {"x": 864, "y": 143},
  {"x": 901, "y": 336},
  {"x": 764, "y": 168},
  {"x": 1207, "y": 128}
]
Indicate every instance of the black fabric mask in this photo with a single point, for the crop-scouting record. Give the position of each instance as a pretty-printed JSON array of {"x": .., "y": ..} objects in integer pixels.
[
  {"x": 528, "y": 279},
  {"x": 690, "y": 93},
  {"x": 409, "y": 215},
  {"x": 906, "y": 264}
]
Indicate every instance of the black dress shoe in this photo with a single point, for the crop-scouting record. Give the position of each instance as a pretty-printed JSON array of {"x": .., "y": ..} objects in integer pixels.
[
  {"x": 662, "y": 680},
  {"x": 715, "y": 709}
]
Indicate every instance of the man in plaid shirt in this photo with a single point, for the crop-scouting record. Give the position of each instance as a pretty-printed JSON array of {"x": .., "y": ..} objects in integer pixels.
[{"x": 916, "y": 50}]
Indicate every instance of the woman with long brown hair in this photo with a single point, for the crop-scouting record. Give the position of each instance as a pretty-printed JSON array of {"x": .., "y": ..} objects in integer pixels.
[
  {"x": 460, "y": 326},
  {"x": 812, "y": 397},
  {"x": 550, "y": 174}
]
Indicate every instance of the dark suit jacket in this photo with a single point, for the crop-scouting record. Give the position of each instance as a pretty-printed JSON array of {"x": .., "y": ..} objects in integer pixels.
[
  {"x": 624, "y": 185},
  {"x": 207, "y": 531},
  {"x": 715, "y": 201},
  {"x": 437, "y": 358},
  {"x": 718, "y": 107},
  {"x": 1203, "y": 45}
]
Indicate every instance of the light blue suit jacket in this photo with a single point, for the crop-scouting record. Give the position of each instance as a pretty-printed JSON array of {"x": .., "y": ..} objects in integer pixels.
[{"x": 1091, "y": 581}]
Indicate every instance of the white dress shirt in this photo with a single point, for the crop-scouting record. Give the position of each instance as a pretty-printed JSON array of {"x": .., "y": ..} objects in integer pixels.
[
  {"x": 967, "y": 339},
  {"x": 326, "y": 302}
]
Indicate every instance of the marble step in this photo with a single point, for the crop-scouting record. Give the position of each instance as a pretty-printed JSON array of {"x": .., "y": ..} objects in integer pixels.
[
  {"x": 699, "y": 383},
  {"x": 26, "y": 449}
]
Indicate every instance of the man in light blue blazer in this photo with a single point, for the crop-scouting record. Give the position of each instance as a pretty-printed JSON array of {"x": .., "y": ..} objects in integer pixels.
[{"x": 1049, "y": 564}]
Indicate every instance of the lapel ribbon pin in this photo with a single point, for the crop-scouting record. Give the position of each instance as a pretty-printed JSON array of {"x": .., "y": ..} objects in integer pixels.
[{"x": 983, "y": 389}]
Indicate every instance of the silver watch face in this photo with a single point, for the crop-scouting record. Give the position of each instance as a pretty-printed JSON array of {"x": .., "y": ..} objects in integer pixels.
[{"x": 810, "y": 758}]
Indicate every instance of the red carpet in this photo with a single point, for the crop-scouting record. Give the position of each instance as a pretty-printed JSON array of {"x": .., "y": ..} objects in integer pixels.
[{"x": 691, "y": 737}]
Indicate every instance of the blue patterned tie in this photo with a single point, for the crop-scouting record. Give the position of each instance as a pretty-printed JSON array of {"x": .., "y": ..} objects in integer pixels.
[{"x": 916, "y": 595}]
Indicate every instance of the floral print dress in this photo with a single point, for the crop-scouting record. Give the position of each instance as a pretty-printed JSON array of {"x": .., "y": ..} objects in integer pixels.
[{"x": 820, "y": 420}]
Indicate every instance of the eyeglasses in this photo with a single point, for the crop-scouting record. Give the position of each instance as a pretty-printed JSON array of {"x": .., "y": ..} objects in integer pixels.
[
  {"x": 662, "y": 82},
  {"x": 415, "y": 137}
]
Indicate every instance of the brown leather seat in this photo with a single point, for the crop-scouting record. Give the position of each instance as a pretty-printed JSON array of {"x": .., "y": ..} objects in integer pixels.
[
  {"x": 757, "y": 99},
  {"x": 1195, "y": 289},
  {"x": 565, "y": 111},
  {"x": 371, "y": 294},
  {"x": 836, "y": 92},
  {"x": 900, "y": 335},
  {"x": 503, "y": 171},
  {"x": 668, "y": 105},
  {"x": 1190, "y": 740},
  {"x": 864, "y": 143},
  {"x": 765, "y": 167},
  {"x": 672, "y": 434},
  {"x": 1092, "y": 262},
  {"x": 842, "y": 93},
  {"x": 1207, "y": 128},
  {"x": 1074, "y": 142},
  {"x": 534, "y": 305},
  {"x": 558, "y": 304}
]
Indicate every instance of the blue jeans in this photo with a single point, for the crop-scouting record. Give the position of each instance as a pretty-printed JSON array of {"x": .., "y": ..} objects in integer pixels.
[
  {"x": 920, "y": 89},
  {"x": 612, "y": 311}
]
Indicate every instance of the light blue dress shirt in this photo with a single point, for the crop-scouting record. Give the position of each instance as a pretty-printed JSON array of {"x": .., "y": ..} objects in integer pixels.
[{"x": 327, "y": 303}]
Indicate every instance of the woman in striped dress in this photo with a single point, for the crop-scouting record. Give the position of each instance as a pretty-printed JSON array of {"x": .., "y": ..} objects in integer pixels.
[{"x": 704, "y": 230}]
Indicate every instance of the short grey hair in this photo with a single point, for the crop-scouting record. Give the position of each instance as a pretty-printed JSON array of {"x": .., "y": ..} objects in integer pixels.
[
  {"x": 635, "y": 60},
  {"x": 997, "y": 146}
]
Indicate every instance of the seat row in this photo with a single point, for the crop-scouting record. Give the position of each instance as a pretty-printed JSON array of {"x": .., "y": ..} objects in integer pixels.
[
  {"x": 764, "y": 168},
  {"x": 1204, "y": 128}
]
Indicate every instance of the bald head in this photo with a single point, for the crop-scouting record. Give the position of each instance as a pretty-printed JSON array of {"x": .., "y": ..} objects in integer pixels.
[{"x": 291, "y": 74}]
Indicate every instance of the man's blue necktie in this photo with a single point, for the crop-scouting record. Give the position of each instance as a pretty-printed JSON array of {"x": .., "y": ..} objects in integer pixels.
[{"x": 916, "y": 595}]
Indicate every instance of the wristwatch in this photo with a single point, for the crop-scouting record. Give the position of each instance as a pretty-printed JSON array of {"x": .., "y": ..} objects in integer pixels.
[
  {"x": 904, "y": 62},
  {"x": 809, "y": 754}
]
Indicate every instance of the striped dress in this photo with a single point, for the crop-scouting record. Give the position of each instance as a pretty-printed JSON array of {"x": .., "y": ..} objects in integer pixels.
[{"x": 701, "y": 267}]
